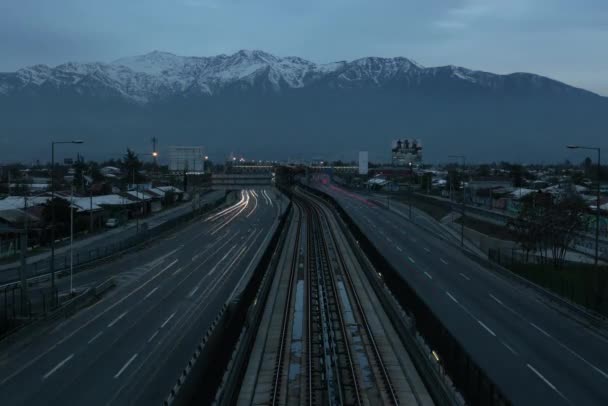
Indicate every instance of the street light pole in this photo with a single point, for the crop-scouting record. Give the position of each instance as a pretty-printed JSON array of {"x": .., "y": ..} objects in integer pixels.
[
  {"x": 22, "y": 273},
  {"x": 597, "y": 209},
  {"x": 71, "y": 237},
  {"x": 463, "y": 197},
  {"x": 52, "y": 265},
  {"x": 597, "y": 201}
]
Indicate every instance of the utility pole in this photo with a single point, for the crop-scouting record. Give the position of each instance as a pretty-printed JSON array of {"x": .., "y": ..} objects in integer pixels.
[
  {"x": 71, "y": 237},
  {"x": 410, "y": 199},
  {"x": 23, "y": 269},
  {"x": 90, "y": 209},
  {"x": 52, "y": 264},
  {"x": 154, "y": 149},
  {"x": 463, "y": 196}
]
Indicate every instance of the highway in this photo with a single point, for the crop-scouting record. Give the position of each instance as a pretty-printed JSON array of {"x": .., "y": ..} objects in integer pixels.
[
  {"x": 130, "y": 347},
  {"x": 534, "y": 352}
]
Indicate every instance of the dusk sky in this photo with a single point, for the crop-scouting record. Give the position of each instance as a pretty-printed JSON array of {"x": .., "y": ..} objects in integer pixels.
[{"x": 563, "y": 39}]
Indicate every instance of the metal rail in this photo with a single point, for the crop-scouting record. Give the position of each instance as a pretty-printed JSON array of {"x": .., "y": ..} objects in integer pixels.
[
  {"x": 331, "y": 374},
  {"x": 326, "y": 285},
  {"x": 275, "y": 399},
  {"x": 384, "y": 375}
]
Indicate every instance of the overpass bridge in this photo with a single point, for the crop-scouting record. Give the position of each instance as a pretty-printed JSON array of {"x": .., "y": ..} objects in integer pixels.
[{"x": 241, "y": 181}]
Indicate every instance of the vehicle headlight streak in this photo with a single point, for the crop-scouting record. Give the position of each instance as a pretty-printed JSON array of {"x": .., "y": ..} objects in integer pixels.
[{"x": 232, "y": 212}]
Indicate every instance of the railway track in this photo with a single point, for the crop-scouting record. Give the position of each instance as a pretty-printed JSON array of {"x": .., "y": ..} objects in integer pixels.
[{"x": 326, "y": 341}]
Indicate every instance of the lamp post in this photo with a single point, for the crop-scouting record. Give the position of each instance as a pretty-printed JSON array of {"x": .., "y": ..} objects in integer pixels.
[
  {"x": 23, "y": 252},
  {"x": 597, "y": 204},
  {"x": 52, "y": 267},
  {"x": 71, "y": 238},
  {"x": 464, "y": 160}
]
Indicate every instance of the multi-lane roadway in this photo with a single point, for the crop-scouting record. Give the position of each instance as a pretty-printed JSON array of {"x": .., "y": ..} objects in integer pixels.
[
  {"x": 130, "y": 347},
  {"x": 534, "y": 352}
]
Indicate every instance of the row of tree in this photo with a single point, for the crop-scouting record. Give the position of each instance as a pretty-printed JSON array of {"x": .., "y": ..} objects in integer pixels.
[{"x": 547, "y": 226}]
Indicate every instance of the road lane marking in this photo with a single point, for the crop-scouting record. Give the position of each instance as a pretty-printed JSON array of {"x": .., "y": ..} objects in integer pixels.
[
  {"x": 464, "y": 276},
  {"x": 558, "y": 342},
  {"x": 509, "y": 348},
  {"x": 178, "y": 270},
  {"x": 167, "y": 321},
  {"x": 411, "y": 260},
  {"x": 427, "y": 250},
  {"x": 264, "y": 243},
  {"x": 428, "y": 275},
  {"x": 217, "y": 264},
  {"x": 496, "y": 299},
  {"x": 399, "y": 249},
  {"x": 443, "y": 260},
  {"x": 94, "y": 337},
  {"x": 412, "y": 239},
  {"x": 52, "y": 371},
  {"x": 117, "y": 319},
  {"x": 486, "y": 327},
  {"x": 99, "y": 315},
  {"x": 125, "y": 366},
  {"x": 193, "y": 291},
  {"x": 150, "y": 293},
  {"x": 389, "y": 240},
  {"x": 539, "y": 329},
  {"x": 545, "y": 380},
  {"x": 152, "y": 336},
  {"x": 452, "y": 297}
]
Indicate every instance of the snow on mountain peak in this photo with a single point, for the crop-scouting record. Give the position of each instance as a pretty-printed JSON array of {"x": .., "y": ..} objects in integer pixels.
[
  {"x": 156, "y": 74},
  {"x": 153, "y": 63}
]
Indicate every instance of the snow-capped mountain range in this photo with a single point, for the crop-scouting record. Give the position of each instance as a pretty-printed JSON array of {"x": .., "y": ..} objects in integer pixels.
[{"x": 156, "y": 75}]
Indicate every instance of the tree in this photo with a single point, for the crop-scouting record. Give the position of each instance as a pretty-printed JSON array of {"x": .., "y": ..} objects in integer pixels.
[
  {"x": 95, "y": 172},
  {"x": 483, "y": 170},
  {"x": 577, "y": 177},
  {"x": 80, "y": 167},
  {"x": 517, "y": 175},
  {"x": 547, "y": 225},
  {"x": 426, "y": 181},
  {"x": 587, "y": 166},
  {"x": 62, "y": 215},
  {"x": 454, "y": 180},
  {"x": 132, "y": 165}
]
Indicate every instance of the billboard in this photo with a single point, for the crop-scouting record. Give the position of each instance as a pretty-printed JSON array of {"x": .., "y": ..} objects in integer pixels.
[
  {"x": 406, "y": 152},
  {"x": 190, "y": 159},
  {"x": 363, "y": 162}
]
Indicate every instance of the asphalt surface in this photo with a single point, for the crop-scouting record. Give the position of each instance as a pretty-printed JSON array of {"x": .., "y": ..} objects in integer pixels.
[
  {"x": 130, "y": 347},
  {"x": 537, "y": 354},
  {"x": 39, "y": 262}
]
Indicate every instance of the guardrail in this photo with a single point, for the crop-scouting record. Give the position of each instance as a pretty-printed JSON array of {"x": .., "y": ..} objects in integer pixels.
[
  {"x": 468, "y": 378},
  {"x": 66, "y": 309},
  {"x": 199, "y": 381},
  {"x": 229, "y": 388}
]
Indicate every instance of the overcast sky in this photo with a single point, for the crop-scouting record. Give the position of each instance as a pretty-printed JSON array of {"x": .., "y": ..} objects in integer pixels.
[{"x": 564, "y": 39}]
